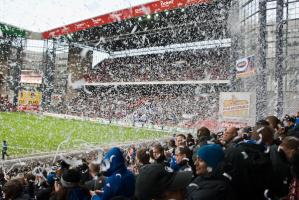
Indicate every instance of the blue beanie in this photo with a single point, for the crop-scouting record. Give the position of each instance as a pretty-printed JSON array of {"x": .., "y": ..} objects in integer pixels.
[{"x": 211, "y": 154}]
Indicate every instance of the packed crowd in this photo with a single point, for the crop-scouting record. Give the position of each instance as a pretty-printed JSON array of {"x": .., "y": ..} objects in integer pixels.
[
  {"x": 257, "y": 163},
  {"x": 154, "y": 105},
  {"x": 169, "y": 66},
  {"x": 5, "y": 105}
]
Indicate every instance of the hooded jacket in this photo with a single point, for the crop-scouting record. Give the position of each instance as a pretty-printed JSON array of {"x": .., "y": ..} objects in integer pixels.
[
  {"x": 120, "y": 181},
  {"x": 210, "y": 187}
]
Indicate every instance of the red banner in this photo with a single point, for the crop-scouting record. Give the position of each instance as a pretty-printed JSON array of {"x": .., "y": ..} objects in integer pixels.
[{"x": 120, "y": 15}]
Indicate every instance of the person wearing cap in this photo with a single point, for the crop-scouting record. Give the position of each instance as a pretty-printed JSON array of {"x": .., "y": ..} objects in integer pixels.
[
  {"x": 120, "y": 181},
  {"x": 210, "y": 183},
  {"x": 157, "y": 181}
]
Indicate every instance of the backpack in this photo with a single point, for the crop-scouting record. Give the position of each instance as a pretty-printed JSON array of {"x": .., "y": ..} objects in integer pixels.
[{"x": 250, "y": 170}]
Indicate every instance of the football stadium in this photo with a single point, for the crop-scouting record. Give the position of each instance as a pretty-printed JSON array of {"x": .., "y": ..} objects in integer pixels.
[{"x": 149, "y": 99}]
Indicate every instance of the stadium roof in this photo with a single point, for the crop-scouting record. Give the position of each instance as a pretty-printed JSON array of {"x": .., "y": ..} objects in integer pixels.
[{"x": 54, "y": 18}]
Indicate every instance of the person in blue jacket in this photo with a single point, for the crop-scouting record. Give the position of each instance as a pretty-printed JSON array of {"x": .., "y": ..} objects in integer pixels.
[{"x": 120, "y": 181}]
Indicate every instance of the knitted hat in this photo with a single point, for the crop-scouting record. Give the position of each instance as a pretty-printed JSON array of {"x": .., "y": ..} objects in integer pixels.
[{"x": 211, "y": 154}]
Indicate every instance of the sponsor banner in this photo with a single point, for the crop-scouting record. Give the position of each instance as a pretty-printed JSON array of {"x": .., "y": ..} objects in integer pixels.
[
  {"x": 128, "y": 13},
  {"x": 227, "y": 124},
  {"x": 29, "y": 100},
  {"x": 30, "y": 76},
  {"x": 237, "y": 108},
  {"x": 245, "y": 67}
]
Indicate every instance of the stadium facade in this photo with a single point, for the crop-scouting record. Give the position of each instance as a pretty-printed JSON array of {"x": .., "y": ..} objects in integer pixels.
[
  {"x": 265, "y": 30},
  {"x": 268, "y": 30}
]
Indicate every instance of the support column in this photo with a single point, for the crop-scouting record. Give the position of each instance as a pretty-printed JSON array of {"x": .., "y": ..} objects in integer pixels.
[
  {"x": 15, "y": 63},
  {"x": 235, "y": 44},
  {"x": 261, "y": 89},
  {"x": 48, "y": 78},
  {"x": 279, "y": 59}
]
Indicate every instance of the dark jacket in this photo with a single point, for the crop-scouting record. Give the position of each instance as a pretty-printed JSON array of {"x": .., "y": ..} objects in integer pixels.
[
  {"x": 95, "y": 184},
  {"x": 210, "y": 188},
  {"x": 120, "y": 181},
  {"x": 44, "y": 194},
  {"x": 184, "y": 166},
  {"x": 73, "y": 193},
  {"x": 281, "y": 172},
  {"x": 294, "y": 131},
  {"x": 162, "y": 160},
  {"x": 23, "y": 197},
  {"x": 251, "y": 170}
]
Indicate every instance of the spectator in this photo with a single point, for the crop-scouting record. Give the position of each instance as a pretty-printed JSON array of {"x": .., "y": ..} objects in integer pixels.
[
  {"x": 273, "y": 122},
  {"x": 157, "y": 181},
  {"x": 294, "y": 187},
  {"x": 170, "y": 151},
  {"x": 143, "y": 158},
  {"x": 13, "y": 190},
  {"x": 120, "y": 181},
  {"x": 203, "y": 136},
  {"x": 183, "y": 156},
  {"x": 68, "y": 188},
  {"x": 98, "y": 180},
  {"x": 263, "y": 135},
  {"x": 29, "y": 186},
  {"x": 280, "y": 158},
  {"x": 210, "y": 184},
  {"x": 228, "y": 137},
  {"x": 292, "y": 128},
  {"x": 158, "y": 155},
  {"x": 289, "y": 146},
  {"x": 44, "y": 193},
  {"x": 171, "y": 145},
  {"x": 180, "y": 140},
  {"x": 190, "y": 141}
]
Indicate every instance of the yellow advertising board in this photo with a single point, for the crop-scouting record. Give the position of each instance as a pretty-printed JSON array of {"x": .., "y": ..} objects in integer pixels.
[
  {"x": 29, "y": 100},
  {"x": 237, "y": 108}
]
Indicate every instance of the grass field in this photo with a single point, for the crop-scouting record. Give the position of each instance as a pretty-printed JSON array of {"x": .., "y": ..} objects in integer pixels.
[{"x": 29, "y": 134}]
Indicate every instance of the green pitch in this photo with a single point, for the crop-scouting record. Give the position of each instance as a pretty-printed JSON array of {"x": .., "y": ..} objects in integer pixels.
[{"x": 31, "y": 134}]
